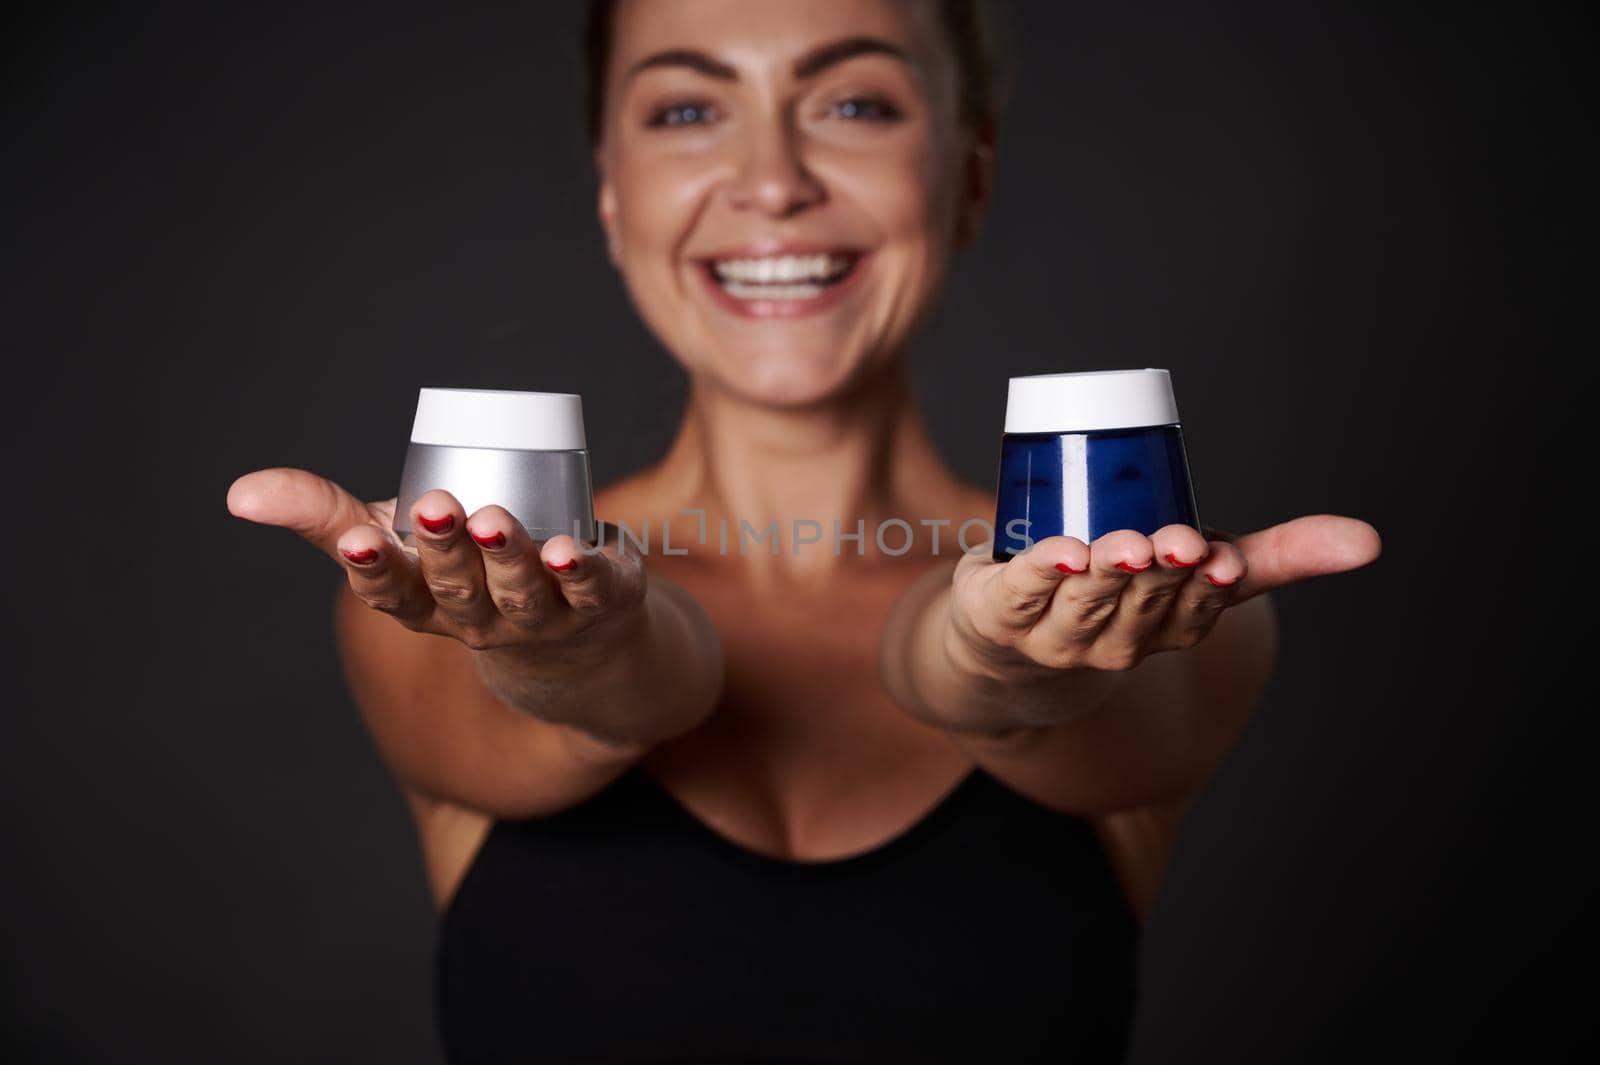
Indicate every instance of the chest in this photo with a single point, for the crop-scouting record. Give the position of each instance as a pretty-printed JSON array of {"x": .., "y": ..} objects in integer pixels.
[
  {"x": 802, "y": 658},
  {"x": 806, "y": 756}
]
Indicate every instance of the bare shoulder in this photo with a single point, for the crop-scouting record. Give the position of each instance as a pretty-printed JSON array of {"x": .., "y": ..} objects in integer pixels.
[
  {"x": 1138, "y": 845},
  {"x": 449, "y": 836}
]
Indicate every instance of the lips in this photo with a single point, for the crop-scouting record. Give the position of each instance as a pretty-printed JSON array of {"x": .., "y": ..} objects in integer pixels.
[{"x": 781, "y": 281}]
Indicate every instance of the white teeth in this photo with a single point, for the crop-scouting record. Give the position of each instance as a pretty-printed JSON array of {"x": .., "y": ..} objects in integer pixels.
[
  {"x": 772, "y": 292},
  {"x": 783, "y": 269}
]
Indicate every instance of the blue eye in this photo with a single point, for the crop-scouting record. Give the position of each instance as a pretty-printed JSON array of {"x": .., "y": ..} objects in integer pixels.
[
  {"x": 693, "y": 114},
  {"x": 867, "y": 109}
]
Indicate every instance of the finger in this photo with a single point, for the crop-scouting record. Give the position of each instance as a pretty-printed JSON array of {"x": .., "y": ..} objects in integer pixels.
[
  {"x": 384, "y": 576},
  {"x": 593, "y": 584},
  {"x": 1135, "y": 627},
  {"x": 1019, "y": 591},
  {"x": 1310, "y": 546},
  {"x": 1085, "y": 603},
  {"x": 518, "y": 584},
  {"x": 1225, "y": 568},
  {"x": 298, "y": 500},
  {"x": 1179, "y": 548},
  {"x": 1203, "y": 597},
  {"x": 451, "y": 563}
]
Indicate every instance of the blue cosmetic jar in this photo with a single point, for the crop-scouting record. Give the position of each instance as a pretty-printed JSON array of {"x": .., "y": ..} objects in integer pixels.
[{"x": 1085, "y": 454}]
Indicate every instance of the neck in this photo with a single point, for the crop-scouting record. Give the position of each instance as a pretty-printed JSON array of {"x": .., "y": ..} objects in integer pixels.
[{"x": 859, "y": 460}]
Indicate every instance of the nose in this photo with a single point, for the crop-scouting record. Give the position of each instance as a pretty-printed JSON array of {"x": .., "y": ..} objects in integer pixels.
[{"x": 773, "y": 177}]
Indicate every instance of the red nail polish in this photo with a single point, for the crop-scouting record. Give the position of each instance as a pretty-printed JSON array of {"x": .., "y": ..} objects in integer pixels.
[
  {"x": 1064, "y": 568},
  {"x": 1221, "y": 584},
  {"x": 1172, "y": 557},
  {"x": 1128, "y": 568},
  {"x": 565, "y": 566},
  {"x": 492, "y": 542},
  {"x": 360, "y": 558},
  {"x": 437, "y": 525}
]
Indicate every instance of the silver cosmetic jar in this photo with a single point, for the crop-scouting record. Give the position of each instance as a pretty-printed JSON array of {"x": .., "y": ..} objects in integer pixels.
[{"x": 524, "y": 451}]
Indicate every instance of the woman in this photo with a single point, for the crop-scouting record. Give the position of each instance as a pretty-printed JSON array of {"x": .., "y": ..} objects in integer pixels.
[{"x": 828, "y": 802}]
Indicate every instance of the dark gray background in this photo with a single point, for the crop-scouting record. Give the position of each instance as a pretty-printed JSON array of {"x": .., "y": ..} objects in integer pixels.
[{"x": 243, "y": 236}]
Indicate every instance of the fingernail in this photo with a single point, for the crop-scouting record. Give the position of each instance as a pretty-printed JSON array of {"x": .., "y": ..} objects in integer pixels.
[
  {"x": 1172, "y": 558},
  {"x": 360, "y": 558},
  {"x": 1064, "y": 568},
  {"x": 493, "y": 541},
  {"x": 437, "y": 525},
  {"x": 1127, "y": 567},
  {"x": 568, "y": 564},
  {"x": 1221, "y": 584}
]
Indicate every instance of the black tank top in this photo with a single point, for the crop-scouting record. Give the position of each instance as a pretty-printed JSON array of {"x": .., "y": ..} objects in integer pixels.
[{"x": 623, "y": 929}]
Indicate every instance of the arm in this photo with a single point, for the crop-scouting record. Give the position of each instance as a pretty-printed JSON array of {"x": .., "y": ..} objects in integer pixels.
[
  {"x": 454, "y": 728},
  {"x": 497, "y": 674},
  {"x": 1082, "y": 740},
  {"x": 1109, "y": 678}
]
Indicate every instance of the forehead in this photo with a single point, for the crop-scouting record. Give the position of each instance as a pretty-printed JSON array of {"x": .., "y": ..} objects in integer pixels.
[{"x": 757, "y": 34}]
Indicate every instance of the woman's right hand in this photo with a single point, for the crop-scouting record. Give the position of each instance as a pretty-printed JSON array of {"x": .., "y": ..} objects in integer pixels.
[{"x": 476, "y": 578}]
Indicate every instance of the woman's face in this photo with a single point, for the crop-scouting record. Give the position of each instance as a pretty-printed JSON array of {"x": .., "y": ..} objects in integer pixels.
[{"x": 783, "y": 183}]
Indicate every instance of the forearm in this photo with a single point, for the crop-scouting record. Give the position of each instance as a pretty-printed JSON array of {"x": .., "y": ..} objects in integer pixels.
[
  {"x": 658, "y": 680},
  {"x": 1084, "y": 741},
  {"x": 942, "y": 683}
]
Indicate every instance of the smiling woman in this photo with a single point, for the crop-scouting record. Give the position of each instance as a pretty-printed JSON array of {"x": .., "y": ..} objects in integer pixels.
[
  {"x": 865, "y": 151},
  {"x": 837, "y": 804}
]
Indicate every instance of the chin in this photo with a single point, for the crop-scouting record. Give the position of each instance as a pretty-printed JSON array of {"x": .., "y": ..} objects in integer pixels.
[{"x": 790, "y": 379}]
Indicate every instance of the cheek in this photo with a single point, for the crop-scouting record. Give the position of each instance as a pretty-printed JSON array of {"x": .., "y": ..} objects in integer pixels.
[
  {"x": 657, "y": 203},
  {"x": 908, "y": 197},
  {"x": 911, "y": 201}
]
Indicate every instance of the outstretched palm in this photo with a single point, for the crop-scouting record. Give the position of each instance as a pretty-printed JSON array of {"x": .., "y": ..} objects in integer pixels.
[{"x": 1064, "y": 604}]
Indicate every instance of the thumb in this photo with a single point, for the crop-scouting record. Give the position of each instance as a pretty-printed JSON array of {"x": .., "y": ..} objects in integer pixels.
[
  {"x": 299, "y": 501},
  {"x": 1310, "y": 546}
]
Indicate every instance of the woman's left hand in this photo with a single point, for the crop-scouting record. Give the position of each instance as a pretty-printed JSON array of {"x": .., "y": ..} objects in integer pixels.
[{"x": 1067, "y": 605}]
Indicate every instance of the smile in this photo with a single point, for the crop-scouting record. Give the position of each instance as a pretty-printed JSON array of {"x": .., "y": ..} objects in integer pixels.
[{"x": 781, "y": 286}]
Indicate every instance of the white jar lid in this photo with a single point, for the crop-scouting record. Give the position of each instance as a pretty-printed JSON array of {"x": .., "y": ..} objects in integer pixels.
[
  {"x": 488, "y": 417},
  {"x": 1090, "y": 401}
]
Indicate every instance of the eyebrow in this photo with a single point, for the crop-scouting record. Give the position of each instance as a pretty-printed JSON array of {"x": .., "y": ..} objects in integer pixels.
[{"x": 809, "y": 65}]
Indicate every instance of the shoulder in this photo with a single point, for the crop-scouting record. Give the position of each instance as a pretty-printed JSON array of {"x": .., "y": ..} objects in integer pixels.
[
  {"x": 1138, "y": 845},
  {"x": 449, "y": 837}
]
